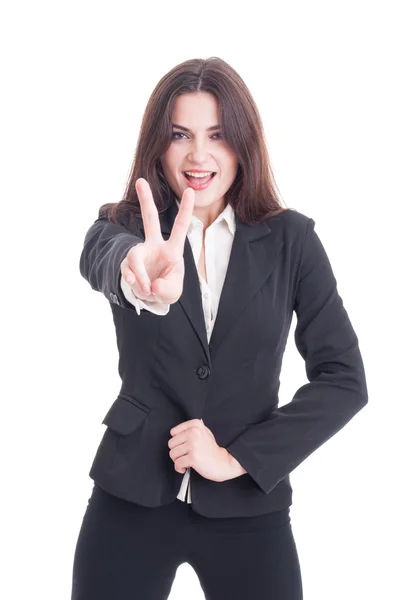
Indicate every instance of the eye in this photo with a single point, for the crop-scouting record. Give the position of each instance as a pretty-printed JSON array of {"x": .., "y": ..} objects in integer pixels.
[{"x": 177, "y": 133}]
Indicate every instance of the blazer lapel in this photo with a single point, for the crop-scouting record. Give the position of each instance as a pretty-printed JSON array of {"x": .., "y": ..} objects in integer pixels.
[
  {"x": 191, "y": 298},
  {"x": 254, "y": 253}
]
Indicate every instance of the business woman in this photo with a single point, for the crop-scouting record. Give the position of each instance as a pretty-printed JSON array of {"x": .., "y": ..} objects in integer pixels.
[{"x": 203, "y": 269}]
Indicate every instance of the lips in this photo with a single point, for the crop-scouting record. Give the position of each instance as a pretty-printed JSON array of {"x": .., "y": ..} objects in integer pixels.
[
  {"x": 199, "y": 179},
  {"x": 199, "y": 183}
]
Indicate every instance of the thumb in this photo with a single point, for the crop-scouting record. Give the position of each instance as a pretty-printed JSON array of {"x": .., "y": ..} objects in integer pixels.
[
  {"x": 158, "y": 288},
  {"x": 169, "y": 291}
]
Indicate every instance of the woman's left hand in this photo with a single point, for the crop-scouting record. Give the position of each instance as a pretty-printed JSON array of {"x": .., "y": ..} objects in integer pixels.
[{"x": 194, "y": 445}]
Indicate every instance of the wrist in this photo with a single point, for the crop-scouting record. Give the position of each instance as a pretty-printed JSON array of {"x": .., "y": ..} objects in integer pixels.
[{"x": 234, "y": 467}]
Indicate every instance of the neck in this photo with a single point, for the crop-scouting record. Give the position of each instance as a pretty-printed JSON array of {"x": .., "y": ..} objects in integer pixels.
[{"x": 208, "y": 214}]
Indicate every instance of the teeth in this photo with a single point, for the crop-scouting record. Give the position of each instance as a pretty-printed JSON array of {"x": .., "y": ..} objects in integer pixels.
[{"x": 199, "y": 175}]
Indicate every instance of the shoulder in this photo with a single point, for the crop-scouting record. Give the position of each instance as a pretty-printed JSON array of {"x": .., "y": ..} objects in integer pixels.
[{"x": 290, "y": 223}]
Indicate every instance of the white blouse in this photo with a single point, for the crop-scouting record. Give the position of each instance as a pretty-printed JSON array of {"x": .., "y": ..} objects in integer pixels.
[{"x": 217, "y": 242}]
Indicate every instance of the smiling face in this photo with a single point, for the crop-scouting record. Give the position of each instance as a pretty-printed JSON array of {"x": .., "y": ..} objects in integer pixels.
[{"x": 198, "y": 145}]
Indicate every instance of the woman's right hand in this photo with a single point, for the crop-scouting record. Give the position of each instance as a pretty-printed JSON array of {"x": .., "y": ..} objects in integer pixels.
[{"x": 157, "y": 265}]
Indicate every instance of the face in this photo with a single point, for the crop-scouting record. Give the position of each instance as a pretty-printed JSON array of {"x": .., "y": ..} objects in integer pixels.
[{"x": 198, "y": 145}]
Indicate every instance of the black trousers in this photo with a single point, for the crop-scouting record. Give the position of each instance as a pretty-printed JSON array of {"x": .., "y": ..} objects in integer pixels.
[{"x": 125, "y": 551}]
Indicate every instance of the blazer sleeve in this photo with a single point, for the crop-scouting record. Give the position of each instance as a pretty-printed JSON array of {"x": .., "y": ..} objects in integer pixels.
[
  {"x": 105, "y": 246},
  {"x": 337, "y": 389}
]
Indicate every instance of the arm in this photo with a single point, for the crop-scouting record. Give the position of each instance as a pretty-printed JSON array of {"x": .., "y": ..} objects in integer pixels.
[
  {"x": 105, "y": 246},
  {"x": 337, "y": 388}
]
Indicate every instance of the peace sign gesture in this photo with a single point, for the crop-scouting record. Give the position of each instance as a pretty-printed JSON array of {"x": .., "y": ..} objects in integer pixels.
[{"x": 157, "y": 265}]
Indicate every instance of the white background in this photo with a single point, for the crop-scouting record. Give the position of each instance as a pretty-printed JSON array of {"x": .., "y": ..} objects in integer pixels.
[{"x": 75, "y": 79}]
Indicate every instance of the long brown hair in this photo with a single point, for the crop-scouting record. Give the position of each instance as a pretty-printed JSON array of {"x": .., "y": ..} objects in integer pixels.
[{"x": 253, "y": 194}]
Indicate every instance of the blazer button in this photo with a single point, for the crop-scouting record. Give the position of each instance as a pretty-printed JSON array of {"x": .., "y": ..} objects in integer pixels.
[
  {"x": 203, "y": 372},
  {"x": 114, "y": 298}
]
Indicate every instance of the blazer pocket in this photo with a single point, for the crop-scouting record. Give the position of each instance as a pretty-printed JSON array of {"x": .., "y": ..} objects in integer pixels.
[{"x": 125, "y": 415}]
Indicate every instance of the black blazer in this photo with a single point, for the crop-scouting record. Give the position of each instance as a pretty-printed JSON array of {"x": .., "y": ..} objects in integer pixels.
[{"x": 171, "y": 374}]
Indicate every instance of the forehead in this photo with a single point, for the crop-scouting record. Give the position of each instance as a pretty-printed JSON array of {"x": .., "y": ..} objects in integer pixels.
[{"x": 199, "y": 109}]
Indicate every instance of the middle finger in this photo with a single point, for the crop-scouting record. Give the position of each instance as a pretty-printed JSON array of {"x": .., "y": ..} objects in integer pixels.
[{"x": 182, "y": 220}]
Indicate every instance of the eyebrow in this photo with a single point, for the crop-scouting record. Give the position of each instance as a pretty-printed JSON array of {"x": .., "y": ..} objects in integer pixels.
[{"x": 213, "y": 128}]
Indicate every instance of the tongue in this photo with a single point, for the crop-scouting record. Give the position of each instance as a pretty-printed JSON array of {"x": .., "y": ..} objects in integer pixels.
[{"x": 200, "y": 180}]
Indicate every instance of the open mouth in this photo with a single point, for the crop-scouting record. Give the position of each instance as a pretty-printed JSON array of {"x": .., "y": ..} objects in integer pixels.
[{"x": 199, "y": 180}]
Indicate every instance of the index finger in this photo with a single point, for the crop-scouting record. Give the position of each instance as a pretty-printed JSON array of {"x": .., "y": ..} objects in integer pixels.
[
  {"x": 149, "y": 211},
  {"x": 182, "y": 220}
]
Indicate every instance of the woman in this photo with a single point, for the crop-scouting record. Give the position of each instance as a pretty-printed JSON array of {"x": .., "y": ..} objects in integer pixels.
[{"x": 203, "y": 269}]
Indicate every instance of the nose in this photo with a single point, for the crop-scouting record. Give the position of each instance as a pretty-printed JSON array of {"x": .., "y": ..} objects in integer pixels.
[{"x": 198, "y": 151}]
